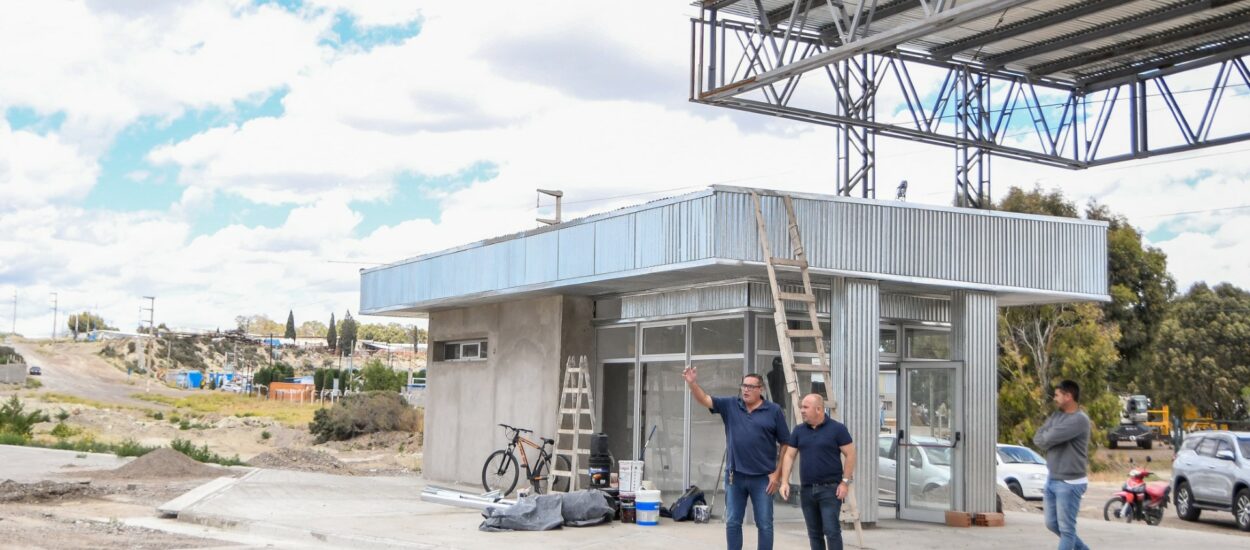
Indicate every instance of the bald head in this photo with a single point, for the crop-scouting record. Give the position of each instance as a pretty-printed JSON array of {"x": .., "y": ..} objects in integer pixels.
[{"x": 813, "y": 409}]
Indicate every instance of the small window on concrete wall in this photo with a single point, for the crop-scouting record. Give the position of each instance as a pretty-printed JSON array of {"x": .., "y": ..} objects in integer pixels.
[{"x": 466, "y": 350}]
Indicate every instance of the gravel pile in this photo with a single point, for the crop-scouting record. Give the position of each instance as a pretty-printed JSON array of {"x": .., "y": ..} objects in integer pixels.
[
  {"x": 163, "y": 463},
  {"x": 304, "y": 460}
]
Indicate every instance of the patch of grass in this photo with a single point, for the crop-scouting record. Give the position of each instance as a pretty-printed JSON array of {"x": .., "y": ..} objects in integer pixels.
[
  {"x": 175, "y": 419},
  {"x": 7, "y": 438},
  {"x": 202, "y": 454},
  {"x": 128, "y": 447},
  {"x": 52, "y": 397},
  {"x": 233, "y": 404},
  {"x": 62, "y": 416},
  {"x": 158, "y": 415},
  {"x": 33, "y": 383}
]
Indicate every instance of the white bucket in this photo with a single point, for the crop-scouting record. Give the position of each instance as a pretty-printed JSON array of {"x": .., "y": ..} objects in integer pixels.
[{"x": 647, "y": 505}]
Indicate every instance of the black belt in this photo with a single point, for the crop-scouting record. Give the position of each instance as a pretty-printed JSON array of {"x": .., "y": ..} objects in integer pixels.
[{"x": 830, "y": 484}]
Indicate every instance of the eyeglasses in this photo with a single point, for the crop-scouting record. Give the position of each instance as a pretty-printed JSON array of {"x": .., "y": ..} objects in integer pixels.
[{"x": 751, "y": 387}]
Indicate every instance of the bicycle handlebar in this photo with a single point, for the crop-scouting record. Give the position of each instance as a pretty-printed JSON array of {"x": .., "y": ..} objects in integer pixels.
[{"x": 517, "y": 429}]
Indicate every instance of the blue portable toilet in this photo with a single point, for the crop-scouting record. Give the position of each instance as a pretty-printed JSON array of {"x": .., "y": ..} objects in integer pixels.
[{"x": 195, "y": 379}]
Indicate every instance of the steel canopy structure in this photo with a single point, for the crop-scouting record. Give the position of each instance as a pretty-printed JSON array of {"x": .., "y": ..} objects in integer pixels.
[{"x": 1068, "y": 83}]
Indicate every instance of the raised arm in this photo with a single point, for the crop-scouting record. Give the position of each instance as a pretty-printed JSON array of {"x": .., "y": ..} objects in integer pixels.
[{"x": 691, "y": 374}]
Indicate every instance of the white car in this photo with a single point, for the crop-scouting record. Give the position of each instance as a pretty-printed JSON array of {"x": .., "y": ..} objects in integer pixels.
[
  {"x": 1022, "y": 471},
  {"x": 930, "y": 466}
]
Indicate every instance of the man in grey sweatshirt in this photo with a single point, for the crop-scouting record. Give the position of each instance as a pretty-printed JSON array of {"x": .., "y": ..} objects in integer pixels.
[{"x": 1065, "y": 439}]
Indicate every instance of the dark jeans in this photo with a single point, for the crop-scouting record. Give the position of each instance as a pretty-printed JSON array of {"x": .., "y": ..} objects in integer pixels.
[
  {"x": 738, "y": 488},
  {"x": 820, "y": 511}
]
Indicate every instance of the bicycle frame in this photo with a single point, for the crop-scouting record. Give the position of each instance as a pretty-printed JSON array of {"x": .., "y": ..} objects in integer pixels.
[{"x": 543, "y": 456}]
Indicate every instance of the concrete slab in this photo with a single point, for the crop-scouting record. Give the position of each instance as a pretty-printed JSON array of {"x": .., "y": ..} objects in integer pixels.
[
  {"x": 32, "y": 464},
  {"x": 321, "y": 510},
  {"x": 173, "y": 507}
]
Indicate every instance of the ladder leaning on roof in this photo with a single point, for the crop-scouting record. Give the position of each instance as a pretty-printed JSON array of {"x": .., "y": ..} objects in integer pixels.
[
  {"x": 572, "y": 412},
  {"x": 785, "y": 334}
]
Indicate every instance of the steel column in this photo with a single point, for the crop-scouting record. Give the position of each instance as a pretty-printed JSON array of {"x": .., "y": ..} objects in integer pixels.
[
  {"x": 857, "y": 145},
  {"x": 856, "y": 321},
  {"x": 974, "y": 342}
]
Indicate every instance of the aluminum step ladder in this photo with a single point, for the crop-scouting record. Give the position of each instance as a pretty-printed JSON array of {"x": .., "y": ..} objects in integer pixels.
[
  {"x": 576, "y": 420},
  {"x": 787, "y": 335}
]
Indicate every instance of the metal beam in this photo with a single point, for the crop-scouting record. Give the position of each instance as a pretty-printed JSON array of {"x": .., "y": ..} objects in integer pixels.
[
  {"x": 871, "y": 44},
  {"x": 1227, "y": 21},
  {"x": 883, "y": 11},
  {"x": 718, "y": 4},
  {"x": 1180, "y": 62},
  {"x": 1025, "y": 26},
  {"x": 1134, "y": 22}
]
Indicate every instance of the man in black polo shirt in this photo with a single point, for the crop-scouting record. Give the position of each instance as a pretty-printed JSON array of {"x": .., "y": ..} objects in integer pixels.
[
  {"x": 754, "y": 427},
  {"x": 822, "y": 441}
]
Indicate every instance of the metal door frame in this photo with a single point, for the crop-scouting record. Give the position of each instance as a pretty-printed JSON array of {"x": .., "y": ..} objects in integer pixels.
[{"x": 903, "y": 416}]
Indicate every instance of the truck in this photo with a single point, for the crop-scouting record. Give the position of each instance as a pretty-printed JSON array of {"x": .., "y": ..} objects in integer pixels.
[{"x": 1132, "y": 428}]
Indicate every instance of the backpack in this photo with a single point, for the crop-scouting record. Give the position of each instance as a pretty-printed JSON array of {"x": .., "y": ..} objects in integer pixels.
[{"x": 683, "y": 507}]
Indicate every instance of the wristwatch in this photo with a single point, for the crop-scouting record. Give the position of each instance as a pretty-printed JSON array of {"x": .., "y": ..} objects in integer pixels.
[{"x": 848, "y": 481}]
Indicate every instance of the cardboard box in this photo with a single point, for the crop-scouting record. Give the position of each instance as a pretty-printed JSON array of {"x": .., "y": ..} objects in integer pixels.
[
  {"x": 989, "y": 519},
  {"x": 958, "y": 519}
]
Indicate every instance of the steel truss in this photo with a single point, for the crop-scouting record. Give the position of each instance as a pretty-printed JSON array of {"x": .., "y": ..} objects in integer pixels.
[{"x": 776, "y": 64}]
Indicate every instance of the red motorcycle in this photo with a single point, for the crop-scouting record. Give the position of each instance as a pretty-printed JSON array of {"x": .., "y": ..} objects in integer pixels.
[{"x": 1138, "y": 500}]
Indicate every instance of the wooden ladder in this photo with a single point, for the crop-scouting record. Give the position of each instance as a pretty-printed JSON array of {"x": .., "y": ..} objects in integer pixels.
[
  {"x": 576, "y": 404},
  {"x": 787, "y": 335}
]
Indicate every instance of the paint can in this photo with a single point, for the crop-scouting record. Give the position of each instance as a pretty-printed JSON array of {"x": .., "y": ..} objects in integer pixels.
[
  {"x": 628, "y": 512},
  {"x": 648, "y": 505}
]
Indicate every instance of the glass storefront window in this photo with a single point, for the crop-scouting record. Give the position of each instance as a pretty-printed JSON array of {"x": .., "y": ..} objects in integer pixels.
[
  {"x": 766, "y": 335},
  {"x": 664, "y": 340},
  {"x": 924, "y": 343},
  {"x": 718, "y": 377},
  {"x": 618, "y": 409},
  {"x": 716, "y": 337},
  {"x": 617, "y": 343},
  {"x": 664, "y": 408},
  {"x": 888, "y": 341}
]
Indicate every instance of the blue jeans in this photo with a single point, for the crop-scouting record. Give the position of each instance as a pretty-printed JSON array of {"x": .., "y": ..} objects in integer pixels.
[
  {"x": 820, "y": 511},
  {"x": 1062, "y": 501},
  {"x": 737, "y": 490}
]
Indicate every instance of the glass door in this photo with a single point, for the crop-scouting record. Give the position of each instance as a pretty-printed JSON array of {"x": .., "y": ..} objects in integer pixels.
[{"x": 927, "y": 446}]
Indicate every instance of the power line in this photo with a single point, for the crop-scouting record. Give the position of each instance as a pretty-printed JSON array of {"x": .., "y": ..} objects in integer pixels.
[{"x": 1186, "y": 212}]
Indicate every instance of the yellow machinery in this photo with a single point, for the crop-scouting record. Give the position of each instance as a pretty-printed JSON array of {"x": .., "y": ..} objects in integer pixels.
[{"x": 1161, "y": 421}]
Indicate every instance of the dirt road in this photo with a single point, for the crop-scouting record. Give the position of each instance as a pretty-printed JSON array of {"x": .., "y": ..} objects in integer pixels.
[{"x": 75, "y": 369}]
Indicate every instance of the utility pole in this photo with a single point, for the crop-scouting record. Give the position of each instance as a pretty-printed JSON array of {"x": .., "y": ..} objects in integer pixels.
[
  {"x": 54, "y": 304},
  {"x": 151, "y": 309}
]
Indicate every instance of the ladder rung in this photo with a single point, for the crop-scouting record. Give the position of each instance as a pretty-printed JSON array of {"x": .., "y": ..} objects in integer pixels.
[
  {"x": 575, "y": 411},
  {"x": 804, "y": 333},
  {"x": 796, "y": 297},
  {"x": 568, "y": 452},
  {"x": 577, "y": 390},
  {"x": 566, "y": 431},
  {"x": 809, "y": 368},
  {"x": 560, "y": 473},
  {"x": 788, "y": 262}
]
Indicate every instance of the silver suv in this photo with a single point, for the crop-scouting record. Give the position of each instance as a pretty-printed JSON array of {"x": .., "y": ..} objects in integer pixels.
[{"x": 1212, "y": 472}]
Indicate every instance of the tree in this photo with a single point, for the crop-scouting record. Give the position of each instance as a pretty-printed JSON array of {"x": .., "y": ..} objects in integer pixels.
[
  {"x": 347, "y": 334},
  {"x": 290, "y": 326},
  {"x": 332, "y": 338},
  {"x": 85, "y": 322},
  {"x": 1141, "y": 288},
  {"x": 378, "y": 377},
  {"x": 312, "y": 329},
  {"x": 1204, "y": 345}
]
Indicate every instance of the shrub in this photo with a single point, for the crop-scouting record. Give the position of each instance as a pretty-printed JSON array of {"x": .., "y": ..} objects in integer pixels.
[
  {"x": 32, "y": 383},
  {"x": 131, "y": 447},
  {"x": 65, "y": 431},
  {"x": 265, "y": 434},
  {"x": 15, "y": 420},
  {"x": 184, "y": 425},
  {"x": 379, "y": 377},
  {"x": 62, "y": 416},
  {"x": 202, "y": 454},
  {"x": 158, "y": 415},
  {"x": 363, "y": 413},
  {"x": 174, "y": 419}
]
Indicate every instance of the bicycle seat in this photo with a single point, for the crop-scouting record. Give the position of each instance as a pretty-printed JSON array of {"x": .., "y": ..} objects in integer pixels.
[{"x": 548, "y": 441}]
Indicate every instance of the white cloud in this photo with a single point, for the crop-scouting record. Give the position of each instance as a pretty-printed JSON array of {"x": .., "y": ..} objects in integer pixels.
[{"x": 558, "y": 95}]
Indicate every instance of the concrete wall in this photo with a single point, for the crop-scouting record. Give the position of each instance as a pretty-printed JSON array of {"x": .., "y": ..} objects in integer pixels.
[
  {"x": 13, "y": 373},
  {"x": 518, "y": 383}
]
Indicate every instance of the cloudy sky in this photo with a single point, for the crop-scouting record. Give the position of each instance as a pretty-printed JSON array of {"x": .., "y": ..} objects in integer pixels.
[{"x": 236, "y": 157}]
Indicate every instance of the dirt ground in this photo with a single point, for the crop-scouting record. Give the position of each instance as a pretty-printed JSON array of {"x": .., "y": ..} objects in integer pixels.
[{"x": 97, "y": 401}]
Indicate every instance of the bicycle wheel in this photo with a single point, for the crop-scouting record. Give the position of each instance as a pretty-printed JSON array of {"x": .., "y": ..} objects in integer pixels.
[
  {"x": 543, "y": 482},
  {"x": 500, "y": 472}
]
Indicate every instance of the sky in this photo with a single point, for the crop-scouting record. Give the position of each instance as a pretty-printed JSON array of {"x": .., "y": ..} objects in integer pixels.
[{"x": 237, "y": 157}]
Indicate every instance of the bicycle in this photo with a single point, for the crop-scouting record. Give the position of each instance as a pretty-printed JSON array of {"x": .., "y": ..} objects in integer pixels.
[{"x": 500, "y": 472}]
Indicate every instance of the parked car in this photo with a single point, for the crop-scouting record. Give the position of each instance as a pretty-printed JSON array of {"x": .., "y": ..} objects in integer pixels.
[
  {"x": 930, "y": 466},
  {"x": 1212, "y": 472},
  {"x": 231, "y": 387},
  {"x": 1022, "y": 471},
  {"x": 36, "y": 371}
]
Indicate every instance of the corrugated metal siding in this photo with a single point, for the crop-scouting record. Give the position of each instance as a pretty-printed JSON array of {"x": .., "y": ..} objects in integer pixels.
[
  {"x": 762, "y": 297},
  {"x": 878, "y": 240},
  {"x": 855, "y": 355},
  {"x": 915, "y": 308},
  {"x": 974, "y": 332},
  {"x": 684, "y": 301},
  {"x": 913, "y": 242}
]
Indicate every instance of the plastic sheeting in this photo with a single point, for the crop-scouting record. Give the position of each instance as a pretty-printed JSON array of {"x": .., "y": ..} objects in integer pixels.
[{"x": 546, "y": 512}]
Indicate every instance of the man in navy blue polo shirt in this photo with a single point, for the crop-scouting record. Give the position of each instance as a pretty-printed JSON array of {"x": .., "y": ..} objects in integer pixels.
[
  {"x": 754, "y": 428},
  {"x": 822, "y": 441}
]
